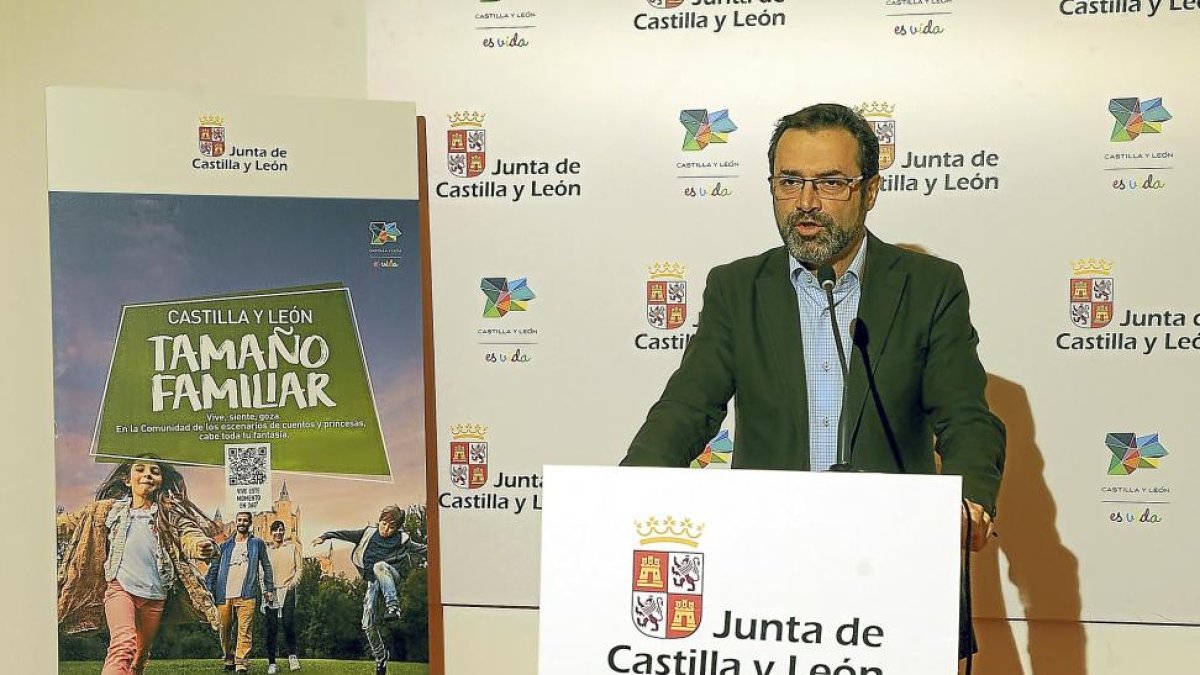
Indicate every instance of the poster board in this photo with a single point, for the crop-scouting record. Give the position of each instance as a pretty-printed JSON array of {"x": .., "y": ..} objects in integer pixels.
[{"x": 240, "y": 289}]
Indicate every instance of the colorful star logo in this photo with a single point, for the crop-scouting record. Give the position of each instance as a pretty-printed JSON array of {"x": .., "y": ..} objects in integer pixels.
[
  {"x": 1131, "y": 452},
  {"x": 384, "y": 233},
  {"x": 1134, "y": 117},
  {"x": 704, "y": 128},
  {"x": 718, "y": 451},
  {"x": 504, "y": 296}
]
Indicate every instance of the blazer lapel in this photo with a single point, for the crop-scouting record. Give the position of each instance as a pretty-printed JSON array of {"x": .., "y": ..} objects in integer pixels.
[
  {"x": 778, "y": 317},
  {"x": 882, "y": 285}
]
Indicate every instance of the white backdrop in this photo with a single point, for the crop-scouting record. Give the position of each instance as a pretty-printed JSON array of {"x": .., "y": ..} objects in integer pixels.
[{"x": 1027, "y": 82}]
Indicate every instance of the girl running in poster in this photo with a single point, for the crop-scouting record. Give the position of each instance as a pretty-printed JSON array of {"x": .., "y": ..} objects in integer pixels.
[{"x": 129, "y": 556}]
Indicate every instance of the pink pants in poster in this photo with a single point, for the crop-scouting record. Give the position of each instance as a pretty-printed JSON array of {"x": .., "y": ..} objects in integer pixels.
[{"x": 132, "y": 625}]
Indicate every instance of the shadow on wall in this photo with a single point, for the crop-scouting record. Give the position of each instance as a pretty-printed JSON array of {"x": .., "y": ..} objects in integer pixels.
[
  {"x": 1045, "y": 573},
  {"x": 1042, "y": 569}
]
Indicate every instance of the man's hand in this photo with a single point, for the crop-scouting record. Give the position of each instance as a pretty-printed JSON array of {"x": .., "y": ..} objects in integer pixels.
[
  {"x": 981, "y": 526},
  {"x": 207, "y": 549},
  {"x": 318, "y": 541}
]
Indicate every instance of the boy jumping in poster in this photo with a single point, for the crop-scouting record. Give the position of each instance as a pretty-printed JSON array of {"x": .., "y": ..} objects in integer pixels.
[{"x": 379, "y": 553}]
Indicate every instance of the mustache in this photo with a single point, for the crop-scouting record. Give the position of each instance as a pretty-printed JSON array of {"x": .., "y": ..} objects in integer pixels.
[{"x": 798, "y": 217}]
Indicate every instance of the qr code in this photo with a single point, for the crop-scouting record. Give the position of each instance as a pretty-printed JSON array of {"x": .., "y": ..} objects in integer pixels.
[{"x": 247, "y": 464}]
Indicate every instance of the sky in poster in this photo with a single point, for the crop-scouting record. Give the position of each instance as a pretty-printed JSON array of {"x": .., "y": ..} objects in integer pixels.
[{"x": 108, "y": 250}]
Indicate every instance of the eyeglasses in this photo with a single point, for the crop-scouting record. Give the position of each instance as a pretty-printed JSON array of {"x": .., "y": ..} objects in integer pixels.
[{"x": 827, "y": 187}]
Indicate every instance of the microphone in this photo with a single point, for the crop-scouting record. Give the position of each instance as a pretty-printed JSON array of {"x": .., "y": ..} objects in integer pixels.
[{"x": 826, "y": 278}]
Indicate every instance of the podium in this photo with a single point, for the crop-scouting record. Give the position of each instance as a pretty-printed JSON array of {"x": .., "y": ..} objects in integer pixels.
[{"x": 685, "y": 572}]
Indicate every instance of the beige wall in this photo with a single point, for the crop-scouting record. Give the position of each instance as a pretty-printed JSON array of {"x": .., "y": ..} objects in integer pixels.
[{"x": 292, "y": 47}]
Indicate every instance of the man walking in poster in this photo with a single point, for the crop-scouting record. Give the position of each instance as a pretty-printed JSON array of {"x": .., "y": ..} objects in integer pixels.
[{"x": 233, "y": 582}]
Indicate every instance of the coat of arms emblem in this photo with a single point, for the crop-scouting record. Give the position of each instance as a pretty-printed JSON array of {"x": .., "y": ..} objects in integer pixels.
[
  {"x": 668, "y": 579},
  {"x": 466, "y": 144},
  {"x": 879, "y": 116},
  {"x": 468, "y": 456},
  {"x": 212, "y": 135},
  {"x": 666, "y": 296},
  {"x": 1091, "y": 293}
]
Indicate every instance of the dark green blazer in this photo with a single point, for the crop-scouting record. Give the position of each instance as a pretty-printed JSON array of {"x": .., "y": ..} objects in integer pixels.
[{"x": 914, "y": 375}]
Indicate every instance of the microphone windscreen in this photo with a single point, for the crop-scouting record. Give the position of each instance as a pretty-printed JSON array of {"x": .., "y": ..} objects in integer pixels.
[{"x": 825, "y": 276}]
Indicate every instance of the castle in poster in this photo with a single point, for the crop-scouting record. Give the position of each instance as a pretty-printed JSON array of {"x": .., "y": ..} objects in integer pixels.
[{"x": 282, "y": 509}]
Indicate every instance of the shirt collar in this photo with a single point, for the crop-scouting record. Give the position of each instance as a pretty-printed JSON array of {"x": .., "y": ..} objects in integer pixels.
[
  {"x": 800, "y": 274},
  {"x": 123, "y": 506}
]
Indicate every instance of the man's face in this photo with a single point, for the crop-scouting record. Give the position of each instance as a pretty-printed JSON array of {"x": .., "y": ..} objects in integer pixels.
[
  {"x": 386, "y": 528},
  {"x": 242, "y": 523},
  {"x": 277, "y": 535},
  {"x": 819, "y": 231}
]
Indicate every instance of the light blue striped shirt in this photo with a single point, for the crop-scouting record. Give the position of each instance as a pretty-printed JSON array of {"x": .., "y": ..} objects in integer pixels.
[{"x": 822, "y": 369}]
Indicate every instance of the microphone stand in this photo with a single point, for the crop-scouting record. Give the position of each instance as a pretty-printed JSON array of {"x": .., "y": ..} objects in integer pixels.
[{"x": 826, "y": 277}]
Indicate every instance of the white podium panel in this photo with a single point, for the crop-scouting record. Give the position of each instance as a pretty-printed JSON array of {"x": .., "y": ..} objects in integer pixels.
[{"x": 676, "y": 572}]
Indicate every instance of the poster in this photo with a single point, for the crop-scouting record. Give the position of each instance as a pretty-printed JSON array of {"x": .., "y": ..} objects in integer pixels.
[{"x": 239, "y": 382}]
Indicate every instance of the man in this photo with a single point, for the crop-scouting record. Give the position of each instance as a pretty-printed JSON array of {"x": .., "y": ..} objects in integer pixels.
[
  {"x": 233, "y": 582},
  {"x": 286, "y": 566},
  {"x": 765, "y": 337},
  {"x": 380, "y": 553}
]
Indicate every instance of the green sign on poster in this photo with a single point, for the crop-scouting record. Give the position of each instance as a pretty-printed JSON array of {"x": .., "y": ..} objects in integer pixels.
[{"x": 284, "y": 367}]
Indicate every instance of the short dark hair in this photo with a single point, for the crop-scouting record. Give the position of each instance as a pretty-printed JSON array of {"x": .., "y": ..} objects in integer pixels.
[
  {"x": 248, "y": 515},
  {"x": 831, "y": 116},
  {"x": 393, "y": 514},
  {"x": 277, "y": 525}
]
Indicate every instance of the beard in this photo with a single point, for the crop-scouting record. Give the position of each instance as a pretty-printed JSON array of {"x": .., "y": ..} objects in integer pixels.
[{"x": 822, "y": 248}]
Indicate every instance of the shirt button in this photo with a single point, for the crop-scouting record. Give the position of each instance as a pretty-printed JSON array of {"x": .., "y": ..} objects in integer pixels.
[
  {"x": 826, "y": 421},
  {"x": 825, "y": 312},
  {"x": 825, "y": 365}
]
